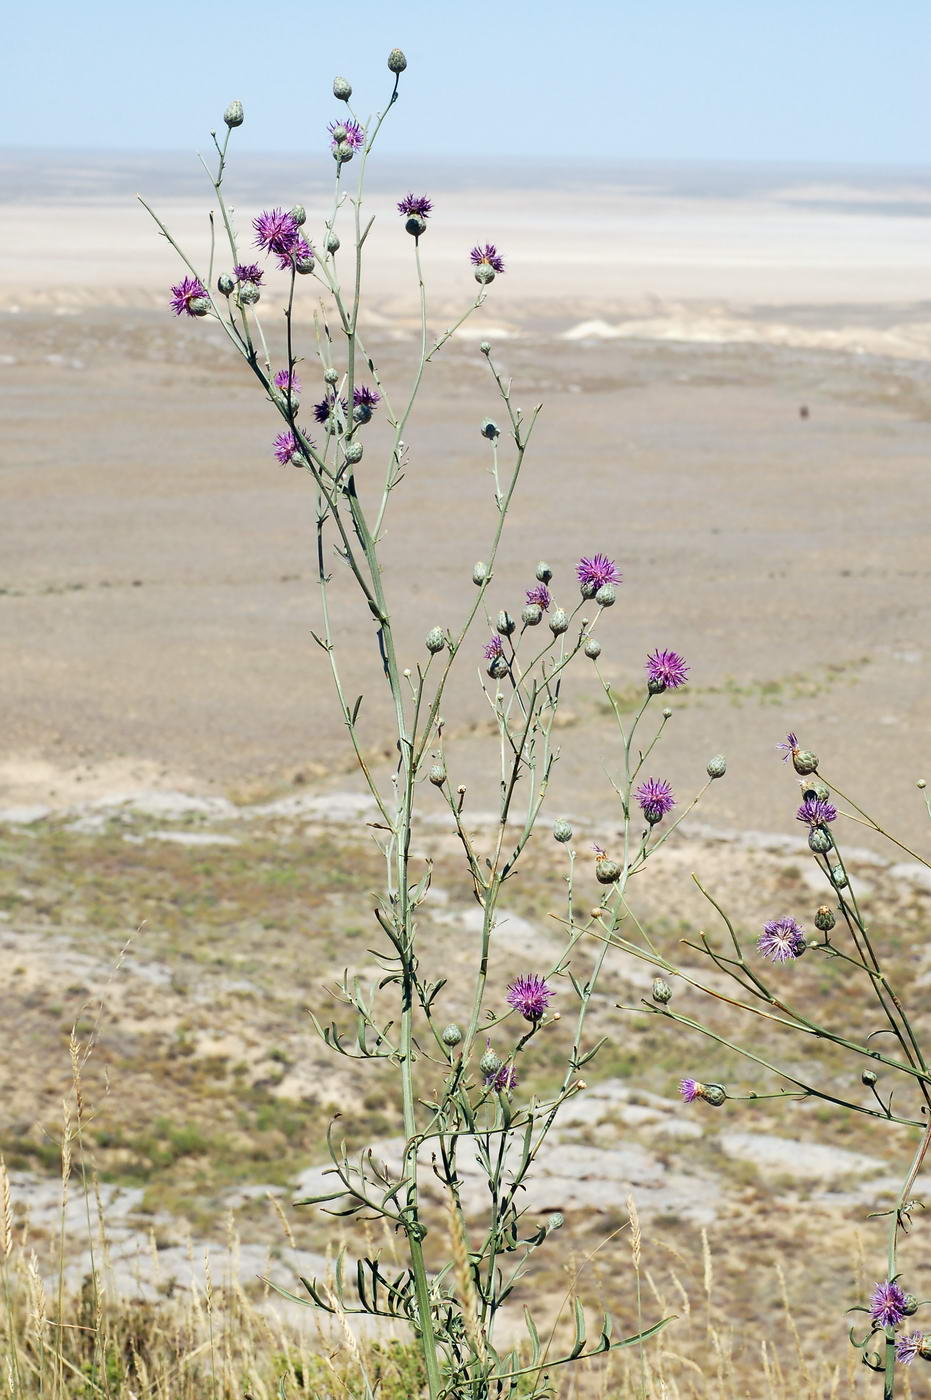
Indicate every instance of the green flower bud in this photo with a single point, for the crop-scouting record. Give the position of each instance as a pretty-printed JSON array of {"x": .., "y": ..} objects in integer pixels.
[
  {"x": 498, "y": 667},
  {"x": 479, "y": 573},
  {"x": 592, "y": 649},
  {"x": 451, "y": 1034},
  {"x": 662, "y": 992},
  {"x": 824, "y": 918},
  {"x": 562, "y": 831},
  {"x": 839, "y": 877},
  {"x": 485, "y": 347},
  {"x": 532, "y": 615},
  {"x": 558, "y": 622},
  {"x": 804, "y": 762},
  {"x": 717, "y": 766},
  {"x": 505, "y": 623},
  {"x": 543, "y": 572},
  {"x": 606, "y": 595},
  {"x": 490, "y": 1063},
  {"x": 304, "y": 264},
  {"x": 353, "y": 452},
  {"x": 484, "y": 273},
  {"x": 233, "y": 116},
  {"x": 339, "y": 133},
  {"x": 667, "y": 713},
  {"x": 396, "y": 61},
  {"x": 556, "y": 1221},
  {"x": 249, "y": 294},
  {"x": 489, "y": 430},
  {"x": 299, "y": 214},
  {"x": 342, "y": 152},
  {"x": 199, "y": 306},
  {"x": 715, "y": 1094},
  {"x": 911, "y": 1305},
  {"x": 330, "y": 376},
  {"x": 436, "y": 639},
  {"x": 331, "y": 243},
  {"x": 362, "y": 413},
  {"x": 342, "y": 89},
  {"x": 226, "y": 284},
  {"x": 869, "y": 1078},
  {"x": 438, "y": 774},
  {"x": 607, "y": 871},
  {"x": 819, "y": 840}
]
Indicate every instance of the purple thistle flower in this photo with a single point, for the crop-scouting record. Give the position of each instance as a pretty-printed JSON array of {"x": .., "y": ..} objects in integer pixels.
[
  {"x": 909, "y": 1346},
  {"x": 415, "y": 204},
  {"x": 667, "y": 668},
  {"x": 530, "y": 994},
  {"x": 655, "y": 798},
  {"x": 789, "y": 747},
  {"x": 888, "y": 1304},
  {"x": 286, "y": 447},
  {"x": 355, "y": 134},
  {"x": 190, "y": 289},
  {"x": 596, "y": 571},
  {"x": 325, "y": 407},
  {"x": 540, "y": 595},
  {"x": 493, "y": 648},
  {"x": 490, "y": 255},
  {"x": 276, "y": 231},
  {"x": 249, "y": 272},
  {"x": 814, "y": 811},
  {"x": 690, "y": 1090},
  {"x": 300, "y": 248},
  {"x": 286, "y": 379},
  {"x": 363, "y": 397},
  {"x": 503, "y": 1079},
  {"x": 781, "y": 940}
]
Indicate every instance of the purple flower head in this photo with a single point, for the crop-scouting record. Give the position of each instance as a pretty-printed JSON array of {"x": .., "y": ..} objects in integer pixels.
[
  {"x": 355, "y": 134},
  {"x": 490, "y": 255},
  {"x": 286, "y": 447},
  {"x": 655, "y": 798},
  {"x": 286, "y": 379},
  {"x": 325, "y": 407},
  {"x": 493, "y": 648},
  {"x": 300, "y": 248},
  {"x": 363, "y": 397},
  {"x": 789, "y": 747},
  {"x": 540, "y": 595},
  {"x": 249, "y": 272},
  {"x": 503, "y": 1079},
  {"x": 888, "y": 1304},
  {"x": 909, "y": 1346},
  {"x": 594, "y": 572},
  {"x": 667, "y": 668},
  {"x": 781, "y": 940},
  {"x": 814, "y": 811},
  {"x": 415, "y": 204},
  {"x": 276, "y": 231},
  {"x": 690, "y": 1090},
  {"x": 530, "y": 994},
  {"x": 184, "y": 293}
]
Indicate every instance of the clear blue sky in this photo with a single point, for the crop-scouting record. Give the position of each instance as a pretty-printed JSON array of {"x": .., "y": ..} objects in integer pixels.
[{"x": 747, "y": 79}]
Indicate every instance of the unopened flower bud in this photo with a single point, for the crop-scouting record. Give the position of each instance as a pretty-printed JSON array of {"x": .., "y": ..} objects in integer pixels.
[
  {"x": 304, "y": 263},
  {"x": 226, "y": 284},
  {"x": 505, "y": 623},
  {"x": 484, "y": 273},
  {"x": 249, "y": 293},
  {"x": 330, "y": 376},
  {"x": 489, "y": 430},
  {"x": 592, "y": 649},
  {"x": 451, "y": 1034},
  {"x": 804, "y": 762},
  {"x": 662, "y": 992},
  {"x": 415, "y": 224},
  {"x": 479, "y": 573},
  {"x": 532, "y": 615},
  {"x": 362, "y": 413},
  {"x": 839, "y": 877},
  {"x": 331, "y": 243},
  {"x": 299, "y": 214},
  {"x": 717, "y": 766},
  {"x": 869, "y": 1078},
  {"x": 556, "y": 1221},
  {"x": 485, "y": 347},
  {"x": 606, "y": 595},
  {"x": 498, "y": 668},
  {"x": 824, "y": 918},
  {"x": 436, "y": 639},
  {"x": 911, "y": 1305},
  {"x": 819, "y": 840},
  {"x": 342, "y": 89},
  {"x": 562, "y": 831},
  {"x": 607, "y": 871},
  {"x": 667, "y": 714},
  {"x": 353, "y": 452},
  {"x": 715, "y": 1094},
  {"x": 921, "y": 784},
  {"x": 558, "y": 622},
  {"x": 199, "y": 306},
  {"x": 543, "y": 572},
  {"x": 396, "y": 61},
  {"x": 339, "y": 133},
  {"x": 233, "y": 116},
  {"x": 490, "y": 1063},
  {"x": 438, "y": 774},
  {"x": 343, "y": 152}
]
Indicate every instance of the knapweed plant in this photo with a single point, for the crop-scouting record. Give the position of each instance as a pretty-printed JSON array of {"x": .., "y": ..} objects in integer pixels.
[
  {"x": 458, "y": 1085},
  {"x": 887, "y": 1064}
]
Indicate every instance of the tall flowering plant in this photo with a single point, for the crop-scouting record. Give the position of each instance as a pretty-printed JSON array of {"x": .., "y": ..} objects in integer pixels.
[{"x": 459, "y": 1086}]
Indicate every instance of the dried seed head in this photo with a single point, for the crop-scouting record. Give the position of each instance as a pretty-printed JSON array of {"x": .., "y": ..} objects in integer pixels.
[
  {"x": 234, "y": 116},
  {"x": 436, "y": 639},
  {"x": 562, "y": 831},
  {"x": 342, "y": 89},
  {"x": 717, "y": 766}
]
